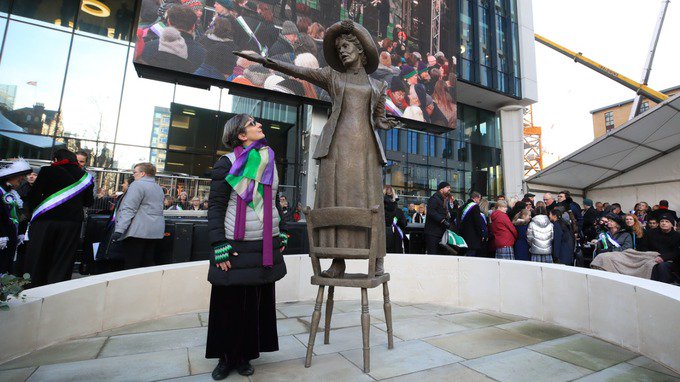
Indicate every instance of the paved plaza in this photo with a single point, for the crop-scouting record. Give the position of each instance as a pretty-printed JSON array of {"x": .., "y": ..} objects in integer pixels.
[{"x": 432, "y": 342}]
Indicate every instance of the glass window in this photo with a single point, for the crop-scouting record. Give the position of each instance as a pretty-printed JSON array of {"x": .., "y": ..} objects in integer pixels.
[
  {"x": 394, "y": 174},
  {"x": 3, "y": 24},
  {"x": 466, "y": 30},
  {"x": 125, "y": 157},
  {"x": 419, "y": 178},
  {"x": 392, "y": 140},
  {"x": 32, "y": 71},
  {"x": 110, "y": 18},
  {"x": 412, "y": 142},
  {"x": 100, "y": 153},
  {"x": 4, "y": 8},
  {"x": 609, "y": 118},
  {"x": 186, "y": 163},
  {"x": 207, "y": 99},
  {"x": 644, "y": 107},
  {"x": 88, "y": 111},
  {"x": 436, "y": 175},
  {"x": 485, "y": 48},
  {"x": 56, "y": 12},
  {"x": 141, "y": 97}
]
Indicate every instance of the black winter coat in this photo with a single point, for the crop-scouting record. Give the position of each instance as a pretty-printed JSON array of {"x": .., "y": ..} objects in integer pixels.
[
  {"x": 563, "y": 243},
  {"x": 394, "y": 241},
  {"x": 55, "y": 178},
  {"x": 438, "y": 218},
  {"x": 196, "y": 54},
  {"x": 7, "y": 227},
  {"x": 246, "y": 268},
  {"x": 472, "y": 228},
  {"x": 667, "y": 244}
]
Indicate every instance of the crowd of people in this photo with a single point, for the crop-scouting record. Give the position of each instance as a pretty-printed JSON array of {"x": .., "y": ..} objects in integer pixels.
[
  {"x": 553, "y": 230},
  {"x": 176, "y": 35}
]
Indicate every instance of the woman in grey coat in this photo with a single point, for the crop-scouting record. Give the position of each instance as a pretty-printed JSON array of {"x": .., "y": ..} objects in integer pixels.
[
  {"x": 140, "y": 224},
  {"x": 540, "y": 236}
]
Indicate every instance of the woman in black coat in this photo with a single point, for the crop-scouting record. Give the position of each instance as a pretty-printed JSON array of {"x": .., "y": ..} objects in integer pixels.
[
  {"x": 395, "y": 222},
  {"x": 248, "y": 246}
]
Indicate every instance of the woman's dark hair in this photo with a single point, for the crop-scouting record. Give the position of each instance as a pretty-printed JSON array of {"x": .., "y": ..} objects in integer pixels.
[
  {"x": 235, "y": 126},
  {"x": 222, "y": 28},
  {"x": 354, "y": 40},
  {"x": 541, "y": 210}
]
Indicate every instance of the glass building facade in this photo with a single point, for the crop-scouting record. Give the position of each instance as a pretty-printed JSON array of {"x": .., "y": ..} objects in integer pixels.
[
  {"x": 488, "y": 35},
  {"x": 67, "y": 80}
]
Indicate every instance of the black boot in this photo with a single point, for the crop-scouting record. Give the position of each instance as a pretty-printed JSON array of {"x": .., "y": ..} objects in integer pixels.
[
  {"x": 337, "y": 269},
  {"x": 221, "y": 370},
  {"x": 245, "y": 369}
]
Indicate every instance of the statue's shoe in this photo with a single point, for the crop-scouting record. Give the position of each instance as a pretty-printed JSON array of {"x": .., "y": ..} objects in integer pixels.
[{"x": 337, "y": 270}]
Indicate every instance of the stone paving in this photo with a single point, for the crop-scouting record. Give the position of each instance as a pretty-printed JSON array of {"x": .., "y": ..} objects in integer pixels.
[{"x": 432, "y": 342}]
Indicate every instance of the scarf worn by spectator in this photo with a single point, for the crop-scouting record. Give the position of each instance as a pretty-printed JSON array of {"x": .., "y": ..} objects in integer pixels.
[{"x": 251, "y": 176}]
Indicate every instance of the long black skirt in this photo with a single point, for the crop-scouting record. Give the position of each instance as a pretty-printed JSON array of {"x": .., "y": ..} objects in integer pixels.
[{"x": 242, "y": 322}]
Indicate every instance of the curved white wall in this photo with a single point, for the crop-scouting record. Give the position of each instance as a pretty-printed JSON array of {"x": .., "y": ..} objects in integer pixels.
[{"x": 638, "y": 314}]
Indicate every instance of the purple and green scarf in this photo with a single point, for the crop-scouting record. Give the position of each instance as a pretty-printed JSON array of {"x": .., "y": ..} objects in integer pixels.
[{"x": 252, "y": 176}]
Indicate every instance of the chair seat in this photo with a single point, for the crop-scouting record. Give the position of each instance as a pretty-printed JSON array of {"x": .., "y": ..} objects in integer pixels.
[{"x": 352, "y": 280}]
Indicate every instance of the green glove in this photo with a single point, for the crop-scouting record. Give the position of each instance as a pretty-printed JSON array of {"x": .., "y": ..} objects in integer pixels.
[
  {"x": 284, "y": 239},
  {"x": 222, "y": 251}
]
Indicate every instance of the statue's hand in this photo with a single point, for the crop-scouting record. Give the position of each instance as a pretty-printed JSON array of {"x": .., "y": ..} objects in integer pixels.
[
  {"x": 250, "y": 56},
  {"x": 391, "y": 123}
]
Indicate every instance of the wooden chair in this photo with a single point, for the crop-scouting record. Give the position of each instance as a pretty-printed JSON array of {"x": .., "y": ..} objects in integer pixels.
[{"x": 354, "y": 218}]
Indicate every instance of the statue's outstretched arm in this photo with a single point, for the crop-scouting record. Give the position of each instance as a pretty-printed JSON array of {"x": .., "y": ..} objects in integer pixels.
[{"x": 318, "y": 77}]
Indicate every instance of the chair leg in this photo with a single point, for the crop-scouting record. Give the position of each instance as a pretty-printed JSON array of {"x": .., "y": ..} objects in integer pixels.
[
  {"x": 316, "y": 316},
  {"x": 387, "y": 306},
  {"x": 329, "y": 312},
  {"x": 365, "y": 329}
]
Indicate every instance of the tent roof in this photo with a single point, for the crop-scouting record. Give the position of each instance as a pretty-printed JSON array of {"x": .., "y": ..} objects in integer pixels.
[
  {"x": 39, "y": 141},
  {"x": 648, "y": 136},
  {"x": 6, "y": 124}
]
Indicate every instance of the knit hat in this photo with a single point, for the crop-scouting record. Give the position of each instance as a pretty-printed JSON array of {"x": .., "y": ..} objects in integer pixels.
[
  {"x": 662, "y": 215},
  {"x": 194, "y": 4},
  {"x": 588, "y": 202},
  {"x": 529, "y": 195},
  {"x": 442, "y": 185},
  {"x": 226, "y": 3},
  {"x": 257, "y": 74},
  {"x": 289, "y": 28},
  {"x": 289, "y": 86},
  {"x": 617, "y": 219},
  {"x": 271, "y": 81},
  {"x": 422, "y": 67},
  {"x": 397, "y": 84},
  {"x": 307, "y": 60},
  {"x": 407, "y": 71},
  {"x": 172, "y": 42}
]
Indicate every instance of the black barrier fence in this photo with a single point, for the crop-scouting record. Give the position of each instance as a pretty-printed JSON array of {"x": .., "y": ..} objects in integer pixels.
[{"x": 186, "y": 239}]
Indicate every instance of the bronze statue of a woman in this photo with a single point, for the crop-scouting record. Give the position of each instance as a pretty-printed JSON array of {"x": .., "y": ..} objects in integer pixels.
[{"x": 349, "y": 151}]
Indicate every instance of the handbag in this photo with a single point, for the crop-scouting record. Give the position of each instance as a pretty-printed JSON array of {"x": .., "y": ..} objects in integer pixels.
[
  {"x": 453, "y": 242},
  {"x": 108, "y": 249}
]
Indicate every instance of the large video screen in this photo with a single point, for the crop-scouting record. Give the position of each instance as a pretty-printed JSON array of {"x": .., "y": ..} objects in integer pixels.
[{"x": 414, "y": 39}]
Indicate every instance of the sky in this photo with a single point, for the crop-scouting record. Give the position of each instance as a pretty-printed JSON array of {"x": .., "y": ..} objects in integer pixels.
[{"x": 615, "y": 33}]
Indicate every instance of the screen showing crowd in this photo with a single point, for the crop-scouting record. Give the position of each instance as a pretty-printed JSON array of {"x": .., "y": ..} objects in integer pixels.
[{"x": 199, "y": 36}]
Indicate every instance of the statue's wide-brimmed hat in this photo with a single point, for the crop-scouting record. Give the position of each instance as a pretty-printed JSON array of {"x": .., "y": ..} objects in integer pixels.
[{"x": 349, "y": 27}]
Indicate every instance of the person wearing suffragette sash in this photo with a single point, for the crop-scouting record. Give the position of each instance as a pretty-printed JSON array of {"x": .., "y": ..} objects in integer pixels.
[
  {"x": 10, "y": 179},
  {"x": 616, "y": 238},
  {"x": 56, "y": 200},
  {"x": 472, "y": 224},
  {"x": 243, "y": 224}
]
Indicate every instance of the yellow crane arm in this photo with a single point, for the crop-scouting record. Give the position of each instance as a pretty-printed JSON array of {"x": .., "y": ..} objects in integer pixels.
[{"x": 639, "y": 88}]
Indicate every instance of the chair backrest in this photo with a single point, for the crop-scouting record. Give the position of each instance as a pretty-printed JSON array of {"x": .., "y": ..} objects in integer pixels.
[{"x": 349, "y": 217}]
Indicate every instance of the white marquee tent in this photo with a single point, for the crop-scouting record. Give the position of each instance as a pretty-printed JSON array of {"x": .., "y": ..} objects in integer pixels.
[{"x": 638, "y": 161}]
